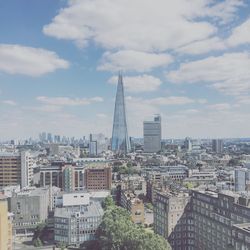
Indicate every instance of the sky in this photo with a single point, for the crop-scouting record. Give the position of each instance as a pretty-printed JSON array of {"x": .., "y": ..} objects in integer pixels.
[{"x": 188, "y": 60}]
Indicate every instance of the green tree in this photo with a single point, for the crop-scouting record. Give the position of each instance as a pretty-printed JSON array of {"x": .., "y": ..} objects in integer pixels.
[
  {"x": 118, "y": 232},
  {"x": 108, "y": 202}
]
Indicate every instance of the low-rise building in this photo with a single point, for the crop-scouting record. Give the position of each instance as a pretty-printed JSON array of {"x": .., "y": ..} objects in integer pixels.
[
  {"x": 134, "y": 206},
  {"x": 30, "y": 208},
  {"x": 77, "y": 220}
]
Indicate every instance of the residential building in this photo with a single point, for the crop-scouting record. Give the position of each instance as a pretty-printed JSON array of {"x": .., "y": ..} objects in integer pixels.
[
  {"x": 16, "y": 169},
  {"x": 120, "y": 142},
  {"x": 5, "y": 225},
  {"x": 98, "y": 177},
  {"x": 171, "y": 219},
  {"x": 152, "y": 135},
  {"x": 134, "y": 206}
]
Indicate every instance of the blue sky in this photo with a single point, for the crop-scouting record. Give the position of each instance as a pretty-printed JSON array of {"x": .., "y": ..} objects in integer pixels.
[{"x": 187, "y": 60}]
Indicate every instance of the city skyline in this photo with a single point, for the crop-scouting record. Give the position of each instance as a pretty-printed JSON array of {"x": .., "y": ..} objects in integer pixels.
[{"x": 189, "y": 63}]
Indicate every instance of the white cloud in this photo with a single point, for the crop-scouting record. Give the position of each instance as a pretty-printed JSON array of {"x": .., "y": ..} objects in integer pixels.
[
  {"x": 136, "y": 84},
  {"x": 130, "y": 60},
  {"x": 101, "y": 115},
  {"x": 66, "y": 101},
  {"x": 9, "y": 102},
  {"x": 17, "y": 59},
  {"x": 203, "y": 46},
  {"x": 220, "y": 106},
  {"x": 240, "y": 34},
  {"x": 228, "y": 73},
  {"x": 170, "y": 100},
  {"x": 152, "y": 25}
]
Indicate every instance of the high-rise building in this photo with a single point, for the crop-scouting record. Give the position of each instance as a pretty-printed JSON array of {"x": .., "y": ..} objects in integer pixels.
[
  {"x": 98, "y": 177},
  {"x": 217, "y": 146},
  {"x": 5, "y": 225},
  {"x": 152, "y": 135},
  {"x": 242, "y": 179},
  {"x": 16, "y": 169},
  {"x": 188, "y": 144},
  {"x": 120, "y": 140}
]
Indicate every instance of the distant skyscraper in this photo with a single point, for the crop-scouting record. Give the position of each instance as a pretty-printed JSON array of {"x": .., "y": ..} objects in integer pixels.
[
  {"x": 217, "y": 146},
  {"x": 152, "y": 135},
  {"x": 120, "y": 141}
]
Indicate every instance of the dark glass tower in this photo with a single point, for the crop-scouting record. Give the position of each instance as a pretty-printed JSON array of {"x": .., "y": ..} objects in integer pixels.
[{"x": 120, "y": 142}]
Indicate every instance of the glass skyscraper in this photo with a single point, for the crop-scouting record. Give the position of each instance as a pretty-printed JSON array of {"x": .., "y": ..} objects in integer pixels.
[{"x": 120, "y": 141}]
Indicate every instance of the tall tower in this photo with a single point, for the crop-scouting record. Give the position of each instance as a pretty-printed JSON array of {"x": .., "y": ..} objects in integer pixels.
[{"x": 120, "y": 142}]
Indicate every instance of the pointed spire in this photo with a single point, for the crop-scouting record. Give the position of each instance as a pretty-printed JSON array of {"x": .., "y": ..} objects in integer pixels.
[{"x": 120, "y": 141}]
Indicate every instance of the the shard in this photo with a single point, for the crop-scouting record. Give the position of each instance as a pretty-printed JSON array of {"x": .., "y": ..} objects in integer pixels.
[{"x": 120, "y": 140}]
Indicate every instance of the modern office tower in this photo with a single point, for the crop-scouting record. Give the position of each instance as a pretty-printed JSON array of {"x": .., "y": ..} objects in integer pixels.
[
  {"x": 120, "y": 141},
  {"x": 77, "y": 221},
  {"x": 171, "y": 219},
  {"x": 98, "y": 177},
  {"x": 30, "y": 208},
  {"x": 16, "y": 169},
  {"x": 5, "y": 225},
  {"x": 188, "y": 144},
  {"x": 217, "y": 146},
  {"x": 62, "y": 175},
  {"x": 242, "y": 179},
  {"x": 97, "y": 144},
  {"x": 152, "y": 135}
]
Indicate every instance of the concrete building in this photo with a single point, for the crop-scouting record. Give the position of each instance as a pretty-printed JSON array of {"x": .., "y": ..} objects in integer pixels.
[
  {"x": 242, "y": 179},
  {"x": 171, "y": 219},
  {"x": 98, "y": 177},
  {"x": 77, "y": 221},
  {"x": 133, "y": 205},
  {"x": 188, "y": 144},
  {"x": 97, "y": 144},
  {"x": 152, "y": 135},
  {"x": 16, "y": 169},
  {"x": 217, "y": 146},
  {"x": 30, "y": 208},
  {"x": 241, "y": 236},
  {"x": 137, "y": 184},
  {"x": 5, "y": 225}
]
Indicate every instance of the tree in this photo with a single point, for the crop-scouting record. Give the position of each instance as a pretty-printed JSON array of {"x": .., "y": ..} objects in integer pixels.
[
  {"x": 108, "y": 202},
  {"x": 118, "y": 232}
]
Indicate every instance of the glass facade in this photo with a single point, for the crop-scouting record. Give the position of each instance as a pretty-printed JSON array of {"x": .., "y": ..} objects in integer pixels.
[{"x": 120, "y": 142}]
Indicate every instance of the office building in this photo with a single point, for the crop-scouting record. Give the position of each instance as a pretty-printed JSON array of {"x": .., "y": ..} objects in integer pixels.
[
  {"x": 16, "y": 169},
  {"x": 217, "y": 146},
  {"x": 242, "y": 179},
  {"x": 188, "y": 144},
  {"x": 30, "y": 208},
  {"x": 77, "y": 220},
  {"x": 98, "y": 177},
  {"x": 152, "y": 135},
  {"x": 120, "y": 141},
  {"x": 5, "y": 225},
  {"x": 67, "y": 176},
  {"x": 97, "y": 144}
]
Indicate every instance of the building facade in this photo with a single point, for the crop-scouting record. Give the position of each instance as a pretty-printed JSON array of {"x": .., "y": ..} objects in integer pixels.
[
  {"x": 5, "y": 225},
  {"x": 16, "y": 169},
  {"x": 217, "y": 146},
  {"x": 77, "y": 222},
  {"x": 152, "y": 135},
  {"x": 120, "y": 140},
  {"x": 98, "y": 177},
  {"x": 30, "y": 208}
]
